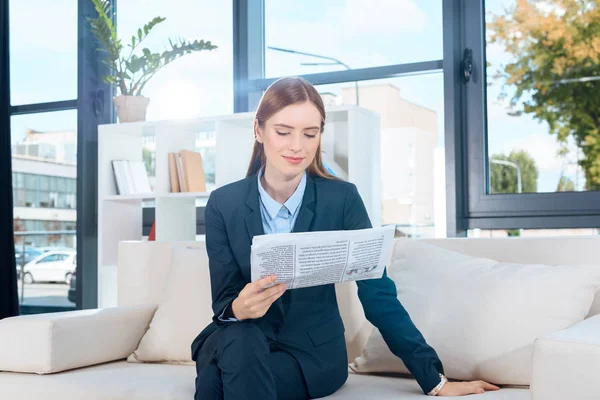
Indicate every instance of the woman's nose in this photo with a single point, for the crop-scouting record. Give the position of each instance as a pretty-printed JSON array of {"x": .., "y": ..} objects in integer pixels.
[{"x": 296, "y": 143}]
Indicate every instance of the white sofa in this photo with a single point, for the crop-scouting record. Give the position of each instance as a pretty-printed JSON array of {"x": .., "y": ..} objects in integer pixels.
[{"x": 565, "y": 364}]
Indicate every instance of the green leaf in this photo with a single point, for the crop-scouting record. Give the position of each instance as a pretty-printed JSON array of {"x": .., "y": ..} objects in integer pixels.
[{"x": 140, "y": 34}]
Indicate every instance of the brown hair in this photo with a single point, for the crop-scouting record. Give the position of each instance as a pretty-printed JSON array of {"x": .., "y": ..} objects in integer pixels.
[{"x": 282, "y": 93}]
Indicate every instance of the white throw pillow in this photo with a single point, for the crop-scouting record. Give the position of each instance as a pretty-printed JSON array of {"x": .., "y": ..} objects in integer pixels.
[
  {"x": 184, "y": 311},
  {"x": 481, "y": 316}
]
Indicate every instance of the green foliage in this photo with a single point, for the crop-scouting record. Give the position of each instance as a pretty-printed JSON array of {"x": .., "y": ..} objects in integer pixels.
[
  {"x": 148, "y": 158},
  {"x": 555, "y": 70},
  {"x": 565, "y": 185},
  {"x": 131, "y": 72},
  {"x": 503, "y": 178}
]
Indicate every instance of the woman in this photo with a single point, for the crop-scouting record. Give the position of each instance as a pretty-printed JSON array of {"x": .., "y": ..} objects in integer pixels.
[{"x": 272, "y": 343}]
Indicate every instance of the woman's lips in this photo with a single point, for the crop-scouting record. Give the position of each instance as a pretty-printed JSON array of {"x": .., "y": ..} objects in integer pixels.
[{"x": 293, "y": 160}]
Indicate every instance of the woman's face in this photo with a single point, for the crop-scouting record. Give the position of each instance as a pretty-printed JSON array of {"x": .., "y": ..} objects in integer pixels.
[{"x": 291, "y": 138}]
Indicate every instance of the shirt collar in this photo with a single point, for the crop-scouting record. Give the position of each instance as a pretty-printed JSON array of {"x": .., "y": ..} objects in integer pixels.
[{"x": 272, "y": 206}]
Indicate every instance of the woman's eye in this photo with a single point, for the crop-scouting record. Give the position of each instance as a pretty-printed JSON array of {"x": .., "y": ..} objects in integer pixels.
[
  {"x": 310, "y": 136},
  {"x": 282, "y": 133}
]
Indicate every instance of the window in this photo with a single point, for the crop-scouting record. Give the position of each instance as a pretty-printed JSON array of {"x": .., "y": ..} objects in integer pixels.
[
  {"x": 390, "y": 67},
  {"x": 43, "y": 66},
  {"x": 411, "y": 110},
  {"x": 47, "y": 259},
  {"x": 349, "y": 34},
  {"x": 198, "y": 84},
  {"x": 43, "y": 140},
  {"x": 539, "y": 115},
  {"x": 528, "y": 109}
]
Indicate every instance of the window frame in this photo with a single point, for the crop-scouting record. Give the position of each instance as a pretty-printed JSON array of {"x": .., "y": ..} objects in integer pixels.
[
  {"x": 502, "y": 211},
  {"x": 94, "y": 107}
]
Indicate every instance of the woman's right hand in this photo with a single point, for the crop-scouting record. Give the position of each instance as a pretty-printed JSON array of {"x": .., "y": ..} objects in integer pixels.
[{"x": 254, "y": 301}]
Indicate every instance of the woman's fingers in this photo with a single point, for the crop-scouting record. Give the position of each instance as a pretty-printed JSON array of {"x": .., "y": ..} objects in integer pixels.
[
  {"x": 274, "y": 295},
  {"x": 478, "y": 387},
  {"x": 268, "y": 293},
  {"x": 259, "y": 309},
  {"x": 488, "y": 386},
  {"x": 261, "y": 283}
]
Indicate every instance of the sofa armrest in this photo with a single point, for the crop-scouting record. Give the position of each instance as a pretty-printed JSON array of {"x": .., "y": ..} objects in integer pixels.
[
  {"x": 566, "y": 363},
  {"x": 47, "y": 343}
]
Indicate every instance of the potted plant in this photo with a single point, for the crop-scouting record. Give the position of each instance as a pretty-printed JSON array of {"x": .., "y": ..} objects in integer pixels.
[{"x": 130, "y": 71}]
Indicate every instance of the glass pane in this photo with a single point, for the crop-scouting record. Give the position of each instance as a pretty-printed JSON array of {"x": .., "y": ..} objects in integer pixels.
[
  {"x": 198, "y": 84},
  {"x": 412, "y": 148},
  {"x": 354, "y": 33},
  {"x": 45, "y": 203},
  {"x": 43, "y": 63},
  {"x": 542, "y": 96}
]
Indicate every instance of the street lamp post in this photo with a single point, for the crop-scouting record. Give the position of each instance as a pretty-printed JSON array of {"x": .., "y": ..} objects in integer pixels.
[
  {"x": 335, "y": 62},
  {"x": 519, "y": 182}
]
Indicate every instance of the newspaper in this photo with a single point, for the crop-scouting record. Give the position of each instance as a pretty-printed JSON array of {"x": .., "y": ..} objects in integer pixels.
[{"x": 319, "y": 258}]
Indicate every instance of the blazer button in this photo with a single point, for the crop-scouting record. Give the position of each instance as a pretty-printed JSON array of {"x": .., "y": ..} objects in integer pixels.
[{"x": 277, "y": 329}]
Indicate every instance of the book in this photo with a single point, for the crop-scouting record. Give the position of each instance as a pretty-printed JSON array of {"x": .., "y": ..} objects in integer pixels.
[
  {"x": 139, "y": 177},
  {"x": 180, "y": 173},
  {"x": 193, "y": 171},
  {"x": 131, "y": 177},
  {"x": 173, "y": 173}
]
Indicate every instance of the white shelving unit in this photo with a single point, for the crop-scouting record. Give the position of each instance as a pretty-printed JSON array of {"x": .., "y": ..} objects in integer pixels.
[{"x": 351, "y": 147}]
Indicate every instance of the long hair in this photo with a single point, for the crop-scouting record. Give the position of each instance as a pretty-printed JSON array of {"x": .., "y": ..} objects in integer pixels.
[{"x": 282, "y": 93}]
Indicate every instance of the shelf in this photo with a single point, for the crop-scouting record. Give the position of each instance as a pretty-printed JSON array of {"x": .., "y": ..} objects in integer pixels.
[
  {"x": 151, "y": 196},
  {"x": 129, "y": 197},
  {"x": 185, "y": 195}
]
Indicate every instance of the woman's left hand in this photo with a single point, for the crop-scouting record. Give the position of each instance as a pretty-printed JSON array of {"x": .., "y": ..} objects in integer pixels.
[{"x": 465, "y": 388}]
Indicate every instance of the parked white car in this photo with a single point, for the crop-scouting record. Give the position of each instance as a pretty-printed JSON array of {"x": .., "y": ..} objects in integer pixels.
[{"x": 52, "y": 266}]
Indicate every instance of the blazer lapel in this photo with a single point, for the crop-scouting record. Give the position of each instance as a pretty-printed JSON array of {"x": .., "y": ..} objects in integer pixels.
[
  {"x": 253, "y": 219},
  {"x": 306, "y": 214}
]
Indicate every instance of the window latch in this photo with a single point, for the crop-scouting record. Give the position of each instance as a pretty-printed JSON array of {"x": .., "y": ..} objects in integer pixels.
[{"x": 467, "y": 64}]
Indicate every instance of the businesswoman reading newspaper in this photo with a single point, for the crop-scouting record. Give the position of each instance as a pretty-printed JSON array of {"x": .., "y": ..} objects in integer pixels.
[{"x": 277, "y": 344}]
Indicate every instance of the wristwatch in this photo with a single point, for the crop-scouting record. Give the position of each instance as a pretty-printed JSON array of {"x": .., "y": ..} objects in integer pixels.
[{"x": 438, "y": 388}]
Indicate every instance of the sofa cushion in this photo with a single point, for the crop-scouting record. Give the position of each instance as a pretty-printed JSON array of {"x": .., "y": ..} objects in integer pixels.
[
  {"x": 482, "y": 317},
  {"x": 54, "y": 342},
  {"x": 112, "y": 381},
  {"x": 185, "y": 309},
  {"x": 127, "y": 381}
]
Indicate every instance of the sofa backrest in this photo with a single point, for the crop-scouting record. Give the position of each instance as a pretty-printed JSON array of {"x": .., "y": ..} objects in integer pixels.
[{"x": 143, "y": 268}]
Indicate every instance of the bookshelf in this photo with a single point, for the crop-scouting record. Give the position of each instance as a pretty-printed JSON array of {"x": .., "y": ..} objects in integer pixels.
[{"x": 350, "y": 145}]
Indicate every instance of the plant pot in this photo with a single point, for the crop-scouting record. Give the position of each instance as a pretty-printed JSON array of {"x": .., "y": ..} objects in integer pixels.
[{"x": 131, "y": 108}]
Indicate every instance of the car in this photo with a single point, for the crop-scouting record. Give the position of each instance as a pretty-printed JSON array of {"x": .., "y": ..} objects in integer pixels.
[
  {"x": 29, "y": 252},
  {"x": 73, "y": 287},
  {"x": 52, "y": 266},
  {"x": 45, "y": 249}
]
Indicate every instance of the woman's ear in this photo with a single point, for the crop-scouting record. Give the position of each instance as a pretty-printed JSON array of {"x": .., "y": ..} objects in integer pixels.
[{"x": 257, "y": 132}]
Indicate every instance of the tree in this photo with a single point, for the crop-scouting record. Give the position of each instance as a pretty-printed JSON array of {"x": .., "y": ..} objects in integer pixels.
[
  {"x": 148, "y": 158},
  {"x": 18, "y": 226},
  {"x": 503, "y": 178},
  {"x": 565, "y": 185},
  {"x": 555, "y": 71}
]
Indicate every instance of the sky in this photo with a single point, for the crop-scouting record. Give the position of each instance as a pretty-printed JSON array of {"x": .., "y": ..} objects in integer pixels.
[{"x": 44, "y": 66}]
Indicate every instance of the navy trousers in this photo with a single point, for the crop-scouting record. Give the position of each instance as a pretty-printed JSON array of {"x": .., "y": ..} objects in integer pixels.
[{"x": 237, "y": 362}]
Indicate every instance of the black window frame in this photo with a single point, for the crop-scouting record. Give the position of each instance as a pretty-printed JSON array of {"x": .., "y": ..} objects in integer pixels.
[{"x": 497, "y": 211}]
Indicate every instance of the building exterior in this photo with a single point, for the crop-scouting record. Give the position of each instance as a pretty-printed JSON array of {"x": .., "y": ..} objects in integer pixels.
[
  {"x": 409, "y": 163},
  {"x": 44, "y": 176}
]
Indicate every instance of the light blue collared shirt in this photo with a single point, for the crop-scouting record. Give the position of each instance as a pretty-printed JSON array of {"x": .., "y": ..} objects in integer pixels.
[{"x": 277, "y": 217}]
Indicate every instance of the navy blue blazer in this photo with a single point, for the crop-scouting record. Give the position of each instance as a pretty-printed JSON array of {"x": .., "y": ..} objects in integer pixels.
[{"x": 306, "y": 322}]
